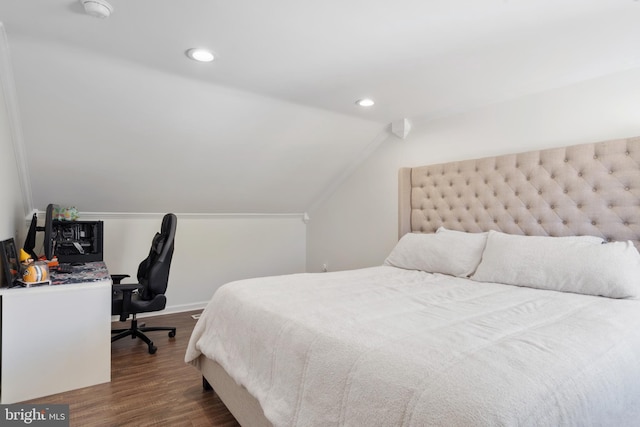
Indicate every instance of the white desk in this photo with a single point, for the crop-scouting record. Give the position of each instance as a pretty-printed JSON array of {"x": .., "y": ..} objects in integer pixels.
[{"x": 54, "y": 339}]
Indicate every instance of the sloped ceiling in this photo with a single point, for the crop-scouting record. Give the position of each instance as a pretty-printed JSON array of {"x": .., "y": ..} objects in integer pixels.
[{"x": 115, "y": 118}]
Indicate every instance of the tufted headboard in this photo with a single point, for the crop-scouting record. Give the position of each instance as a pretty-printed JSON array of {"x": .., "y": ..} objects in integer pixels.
[{"x": 588, "y": 189}]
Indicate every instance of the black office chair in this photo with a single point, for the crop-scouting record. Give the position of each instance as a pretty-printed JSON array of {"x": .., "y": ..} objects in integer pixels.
[{"x": 148, "y": 294}]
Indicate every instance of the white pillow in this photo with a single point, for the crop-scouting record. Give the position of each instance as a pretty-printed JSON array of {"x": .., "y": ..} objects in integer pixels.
[
  {"x": 569, "y": 264},
  {"x": 448, "y": 252}
]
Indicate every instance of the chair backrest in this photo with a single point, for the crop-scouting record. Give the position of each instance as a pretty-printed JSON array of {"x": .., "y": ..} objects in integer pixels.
[{"x": 153, "y": 272}]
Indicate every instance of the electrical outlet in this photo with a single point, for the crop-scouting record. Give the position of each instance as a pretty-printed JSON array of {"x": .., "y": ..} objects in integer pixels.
[{"x": 325, "y": 267}]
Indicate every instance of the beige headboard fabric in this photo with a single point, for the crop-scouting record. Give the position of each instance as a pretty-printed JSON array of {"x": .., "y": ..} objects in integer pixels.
[{"x": 588, "y": 189}]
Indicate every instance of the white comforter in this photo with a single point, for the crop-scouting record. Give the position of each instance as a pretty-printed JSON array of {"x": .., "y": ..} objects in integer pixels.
[{"x": 388, "y": 347}]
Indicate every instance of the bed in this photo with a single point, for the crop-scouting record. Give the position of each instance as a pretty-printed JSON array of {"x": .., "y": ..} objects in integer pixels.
[{"x": 511, "y": 298}]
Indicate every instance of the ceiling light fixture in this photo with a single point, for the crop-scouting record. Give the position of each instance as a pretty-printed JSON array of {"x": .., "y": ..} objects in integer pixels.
[
  {"x": 365, "y": 102},
  {"x": 201, "y": 55},
  {"x": 97, "y": 8}
]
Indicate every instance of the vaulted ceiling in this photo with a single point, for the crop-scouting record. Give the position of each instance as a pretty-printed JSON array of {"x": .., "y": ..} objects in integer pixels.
[{"x": 116, "y": 118}]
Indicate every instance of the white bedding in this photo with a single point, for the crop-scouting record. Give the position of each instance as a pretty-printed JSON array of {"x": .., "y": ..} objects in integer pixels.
[{"x": 385, "y": 346}]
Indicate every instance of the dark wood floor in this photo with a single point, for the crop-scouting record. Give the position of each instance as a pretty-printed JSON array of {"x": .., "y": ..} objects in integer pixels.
[{"x": 145, "y": 389}]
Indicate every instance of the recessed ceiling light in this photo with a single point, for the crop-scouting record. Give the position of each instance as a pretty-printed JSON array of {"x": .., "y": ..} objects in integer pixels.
[
  {"x": 97, "y": 8},
  {"x": 365, "y": 102},
  {"x": 201, "y": 55}
]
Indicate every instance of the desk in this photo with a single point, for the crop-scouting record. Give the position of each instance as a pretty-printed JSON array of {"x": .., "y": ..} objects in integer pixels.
[{"x": 56, "y": 338}]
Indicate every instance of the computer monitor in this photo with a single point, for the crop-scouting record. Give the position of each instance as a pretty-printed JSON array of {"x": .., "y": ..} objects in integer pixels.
[
  {"x": 49, "y": 242},
  {"x": 10, "y": 262},
  {"x": 49, "y": 238},
  {"x": 30, "y": 241}
]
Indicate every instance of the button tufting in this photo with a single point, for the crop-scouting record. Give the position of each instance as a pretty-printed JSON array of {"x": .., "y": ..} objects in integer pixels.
[{"x": 431, "y": 187}]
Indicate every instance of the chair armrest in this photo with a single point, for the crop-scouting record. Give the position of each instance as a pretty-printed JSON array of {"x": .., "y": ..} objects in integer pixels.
[
  {"x": 117, "y": 278},
  {"x": 127, "y": 290},
  {"x": 126, "y": 287}
]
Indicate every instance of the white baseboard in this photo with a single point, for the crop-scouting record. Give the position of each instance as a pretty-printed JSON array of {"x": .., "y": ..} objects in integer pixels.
[{"x": 170, "y": 310}]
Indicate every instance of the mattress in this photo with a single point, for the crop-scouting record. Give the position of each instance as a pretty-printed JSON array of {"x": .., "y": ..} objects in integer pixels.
[{"x": 386, "y": 346}]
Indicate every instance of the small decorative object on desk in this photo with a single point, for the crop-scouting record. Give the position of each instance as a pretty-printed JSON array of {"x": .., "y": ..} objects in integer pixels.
[
  {"x": 61, "y": 213},
  {"x": 35, "y": 274}
]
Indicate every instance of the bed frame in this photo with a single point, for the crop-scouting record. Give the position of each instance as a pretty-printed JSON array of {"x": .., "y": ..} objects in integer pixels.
[{"x": 588, "y": 189}]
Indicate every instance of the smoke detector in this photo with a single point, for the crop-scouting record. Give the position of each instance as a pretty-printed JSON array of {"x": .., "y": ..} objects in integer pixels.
[{"x": 97, "y": 8}]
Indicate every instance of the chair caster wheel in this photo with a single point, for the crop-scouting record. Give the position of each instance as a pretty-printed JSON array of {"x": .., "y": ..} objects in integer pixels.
[
  {"x": 152, "y": 349},
  {"x": 172, "y": 334}
]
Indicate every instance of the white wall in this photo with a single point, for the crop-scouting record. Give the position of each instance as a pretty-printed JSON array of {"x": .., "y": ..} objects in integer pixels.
[
  {"x": 12, "y": 207},
  {"x": 357, "y": 226},
  {"x": 210, "y": 250}
]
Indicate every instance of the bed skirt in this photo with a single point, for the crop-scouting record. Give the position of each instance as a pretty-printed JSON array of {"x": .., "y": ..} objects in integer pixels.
[{"x": 244, "y": 407}]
